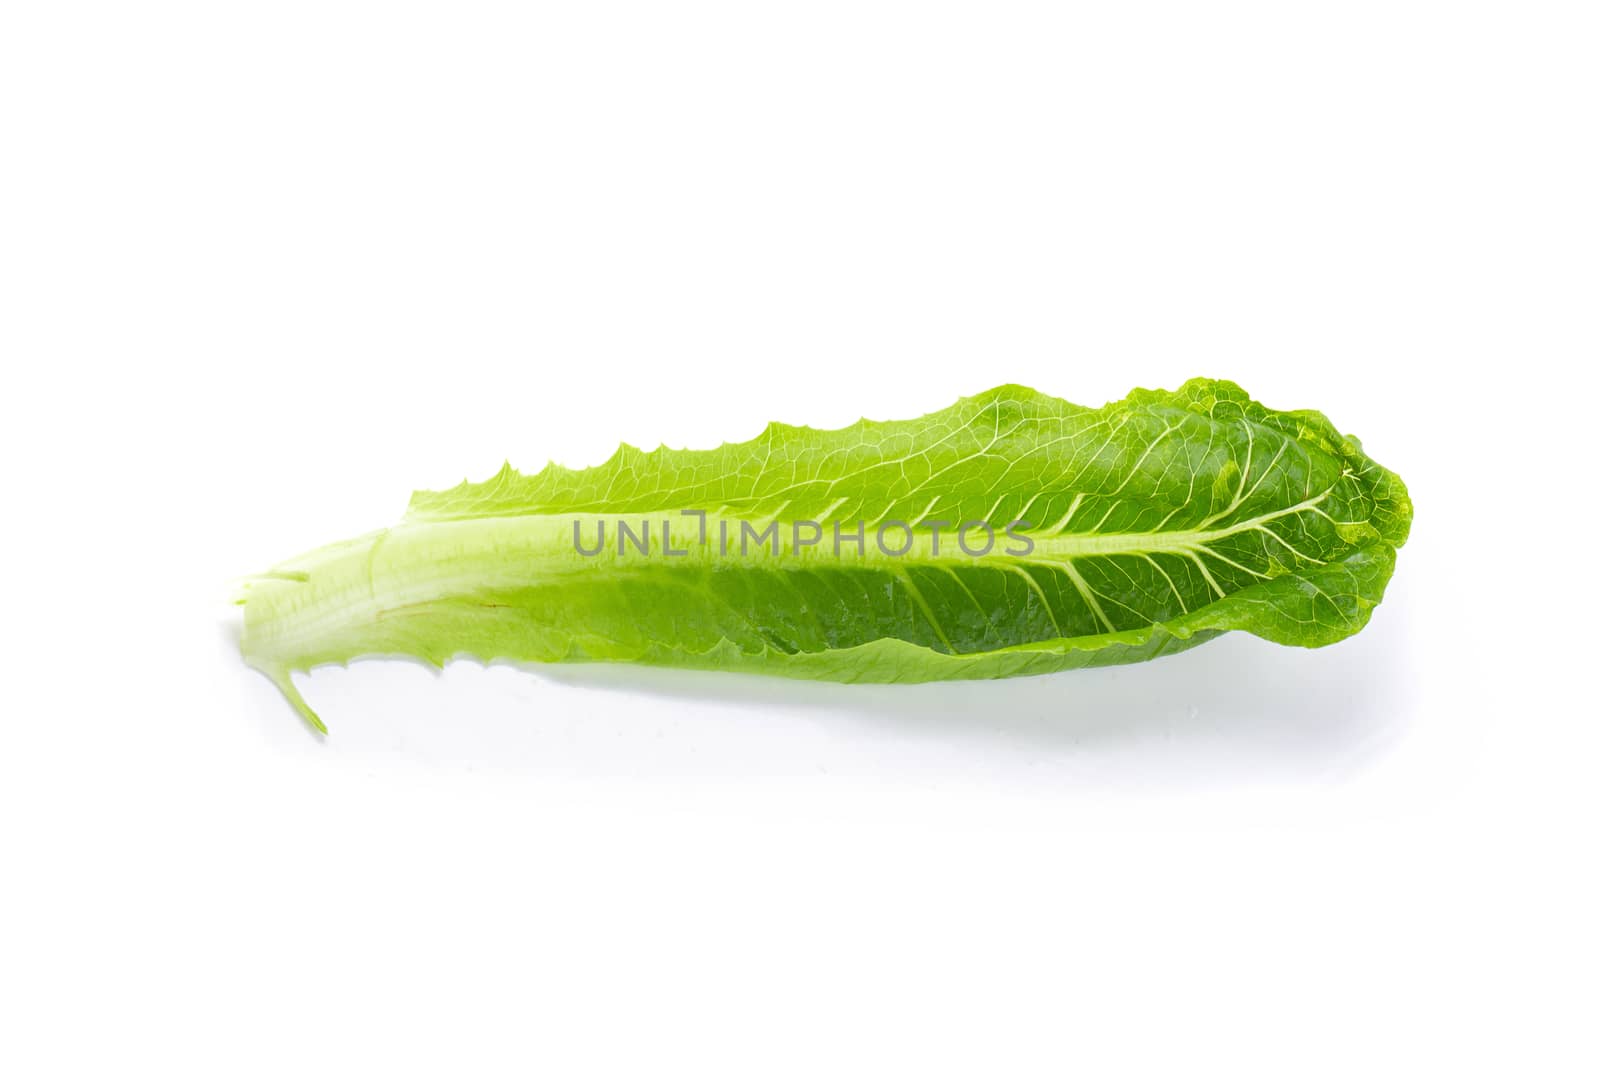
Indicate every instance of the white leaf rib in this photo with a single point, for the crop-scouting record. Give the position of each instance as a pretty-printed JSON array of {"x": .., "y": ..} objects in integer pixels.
[
  {"x": 1085, "y": 592},
  {"x": 922, "y": 606},
  {"x": 1022, "y": 572}
]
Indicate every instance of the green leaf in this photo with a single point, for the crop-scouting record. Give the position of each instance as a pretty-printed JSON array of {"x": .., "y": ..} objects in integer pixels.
[{"x": 1113, "y": 535}]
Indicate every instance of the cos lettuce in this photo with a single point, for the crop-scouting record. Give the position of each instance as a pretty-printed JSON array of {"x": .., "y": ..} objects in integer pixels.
[{"x": 1011, "y": 533}]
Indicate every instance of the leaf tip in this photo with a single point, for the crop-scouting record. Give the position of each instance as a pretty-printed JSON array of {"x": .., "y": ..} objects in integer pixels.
[{"x": 279, "y": 676}]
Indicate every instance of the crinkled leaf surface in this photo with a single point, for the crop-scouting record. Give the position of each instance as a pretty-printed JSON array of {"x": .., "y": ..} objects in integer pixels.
[{"x": 1154, "y": 523}]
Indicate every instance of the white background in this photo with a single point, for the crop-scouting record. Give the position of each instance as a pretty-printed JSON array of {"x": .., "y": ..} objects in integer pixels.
[{"x": 264, "y": 269}]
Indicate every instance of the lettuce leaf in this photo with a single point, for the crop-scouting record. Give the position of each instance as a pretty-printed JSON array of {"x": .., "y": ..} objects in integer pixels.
[{"x": 1109, "y": 535}]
